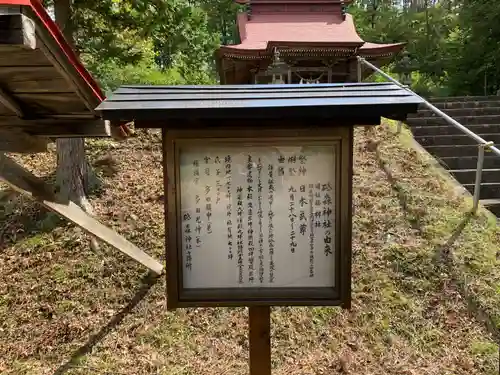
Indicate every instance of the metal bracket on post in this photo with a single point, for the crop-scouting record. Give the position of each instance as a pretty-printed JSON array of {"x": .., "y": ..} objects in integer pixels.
[{"x": 479, "y": 173}]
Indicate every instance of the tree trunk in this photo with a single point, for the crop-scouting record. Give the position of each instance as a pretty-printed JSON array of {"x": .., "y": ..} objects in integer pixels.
[{"x": 74, "y": 176}]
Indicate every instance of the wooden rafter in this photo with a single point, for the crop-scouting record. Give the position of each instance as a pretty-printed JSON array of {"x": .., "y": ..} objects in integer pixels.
[
  {"x": 15, "y": 140},
  {"x": 61, "y": 63},
  {"x": 59, "y": 128},
  {"x": 8, "y": 101},
  {"x": 23, "y": 181}
]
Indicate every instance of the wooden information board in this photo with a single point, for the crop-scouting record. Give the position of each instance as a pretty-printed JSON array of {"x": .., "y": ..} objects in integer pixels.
[
  {"x": 258, "y": 182},
  {"x": 258, "y": 220}
]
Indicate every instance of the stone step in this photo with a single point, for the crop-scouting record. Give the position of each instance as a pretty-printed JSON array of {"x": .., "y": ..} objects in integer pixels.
[
  {"x": 489, "y": 190},
  {"x": 468, "y": 162},
  {"x": 492, "y": 204},
  {"x": 458, "y": 112},
  {"x": 447, "y": 99},
  {"x": 455, "y": 150},
  {"x": 459, "y": 139},
  {"x": 419, "y": 131},
  {"x": 468, "y": 176},
  {"x": 464, "y": 120},
  {"x": 458, "y": 104}
]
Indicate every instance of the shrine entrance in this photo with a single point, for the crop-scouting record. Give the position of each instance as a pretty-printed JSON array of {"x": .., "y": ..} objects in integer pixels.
[
  {"x": 282, "y": 72},
  {"x": 298, "y": 41}
]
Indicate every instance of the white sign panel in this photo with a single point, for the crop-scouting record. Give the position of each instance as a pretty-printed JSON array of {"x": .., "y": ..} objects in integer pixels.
[{"x": 258, "y": 216}]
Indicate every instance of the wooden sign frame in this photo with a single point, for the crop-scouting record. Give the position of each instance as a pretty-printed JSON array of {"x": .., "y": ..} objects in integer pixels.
[{"x": 340, "y": 294}]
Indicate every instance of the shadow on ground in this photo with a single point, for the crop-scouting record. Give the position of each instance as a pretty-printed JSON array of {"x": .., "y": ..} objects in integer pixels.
[
  {"x": 23, "y": 218},
  {"x": 443, "y": 255},
  {"x": 147, "y": 283}
]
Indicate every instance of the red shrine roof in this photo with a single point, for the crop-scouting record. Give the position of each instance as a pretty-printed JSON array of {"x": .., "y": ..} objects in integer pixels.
[
  {"x": 264, "y": 29},
  {"x": 38, "y": 9},
  {"x": 311, "y": 24},
  {"x": 53, "y": 93}
]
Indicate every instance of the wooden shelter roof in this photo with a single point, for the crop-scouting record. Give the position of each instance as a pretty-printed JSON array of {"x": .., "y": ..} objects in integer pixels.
[
  {"x": 45, "y": 91},
  {"x": 363, "y": 103}
]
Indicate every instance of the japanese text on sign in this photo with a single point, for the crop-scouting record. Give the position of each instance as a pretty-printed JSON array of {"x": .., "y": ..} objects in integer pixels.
[{"x": 258, "y": 216}]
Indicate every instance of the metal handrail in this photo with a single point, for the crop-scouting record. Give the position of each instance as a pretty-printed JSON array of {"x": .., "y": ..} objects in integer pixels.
[{"x": 482, "y": 143}]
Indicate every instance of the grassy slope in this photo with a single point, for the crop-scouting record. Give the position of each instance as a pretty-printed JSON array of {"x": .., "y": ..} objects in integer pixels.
[{"x": 63, "y": 305}]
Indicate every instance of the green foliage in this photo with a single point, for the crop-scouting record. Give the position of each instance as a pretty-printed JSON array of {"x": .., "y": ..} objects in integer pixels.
[
  {"x": 452, "y": 43},
  {"x": 161, "y": 42},
  {"x": 476, "y": 46}
]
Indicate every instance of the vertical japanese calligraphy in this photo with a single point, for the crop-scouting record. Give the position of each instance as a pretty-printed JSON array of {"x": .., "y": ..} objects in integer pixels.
[
  {"x": 270, "y": 216},
  {"x": 239, "y": 222},
  {"x": 251, "y": 247},
  {"x": 258, "y": 216},
  {"x": 292, "y": 216},
  {"x": 187, "y": 241},
  {"x": 229, "y": 207},
  {"x": 311, "y": 231}
]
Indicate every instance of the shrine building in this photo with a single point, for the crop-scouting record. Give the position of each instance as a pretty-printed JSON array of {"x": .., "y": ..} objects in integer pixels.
[{"x": 297, "y": 41}]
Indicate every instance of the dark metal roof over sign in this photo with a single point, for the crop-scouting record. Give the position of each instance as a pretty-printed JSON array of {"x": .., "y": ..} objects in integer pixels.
[{"x": 148, "y": 104}]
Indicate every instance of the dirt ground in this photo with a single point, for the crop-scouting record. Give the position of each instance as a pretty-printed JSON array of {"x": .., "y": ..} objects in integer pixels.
[{"x": 65, "y": 309}]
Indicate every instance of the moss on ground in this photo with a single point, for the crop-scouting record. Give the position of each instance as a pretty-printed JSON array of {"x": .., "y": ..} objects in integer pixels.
[{"x": 418, "y": 259}]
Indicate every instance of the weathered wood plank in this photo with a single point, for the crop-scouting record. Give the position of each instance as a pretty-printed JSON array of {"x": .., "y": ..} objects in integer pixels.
[
  {"x": 10, "y": 102},
  {"x": 46, "y": 103},
  {"x": 60, "y": 61},
  {"x": 9, "y": 9},
  {"x": 27, "y": 72},
  {"x": 15, "y": 140},
  {"x": 17, "y": 29},
  {"x": 23, "y": 181},
  {"x": 86, "y": 129},
  {"x": 68, "y": 120},
  {"x": 4, "y": 111},
  {"x": 38, "y": 85},
  {"x": 11, "y": 56},
  {"x": 260, "y": 340},
  {"x": 61, "y": 126}
]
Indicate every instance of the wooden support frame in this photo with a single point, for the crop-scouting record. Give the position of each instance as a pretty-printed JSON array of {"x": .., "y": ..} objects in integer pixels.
[
  {"x": 60, "y": 61},
  {"x": 19, "y": 31},
  {"x": 23, "y": 181},
  {"x": 59, "y": 128},
  {"x": 10, "y": 103},
  {"x": 260, "y": 340},
  {"x": 15, "y": 140}
]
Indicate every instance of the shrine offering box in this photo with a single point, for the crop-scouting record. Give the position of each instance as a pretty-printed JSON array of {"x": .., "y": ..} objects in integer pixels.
[{"x": 258, "y": 186}]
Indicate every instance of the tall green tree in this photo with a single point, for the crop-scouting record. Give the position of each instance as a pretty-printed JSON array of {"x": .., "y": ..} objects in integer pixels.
[{"x": 475, "y": 43}]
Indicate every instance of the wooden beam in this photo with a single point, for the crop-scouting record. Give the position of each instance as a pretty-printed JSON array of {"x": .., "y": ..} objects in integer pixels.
[
  {"x": 57, "y": 128},
  {"x": 59, "y": 60},
  {"x": 15, "y": 140},
  {"x": 10, "y": 103},
  {"x": 16, "y": 29},
  {"x": 26, "y": 183},
  {"x": 50, "y": 103},
  {"x": 260, "y": 340}
]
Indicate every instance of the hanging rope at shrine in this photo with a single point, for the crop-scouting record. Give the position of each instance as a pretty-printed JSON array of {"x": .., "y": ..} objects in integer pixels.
[{"x": 306, "y": 81}]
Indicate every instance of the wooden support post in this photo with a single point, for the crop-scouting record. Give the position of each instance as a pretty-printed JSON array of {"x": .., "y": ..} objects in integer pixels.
[
  {"x": 260, "y": 340},
  {"x": 35, "y": 188}
]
